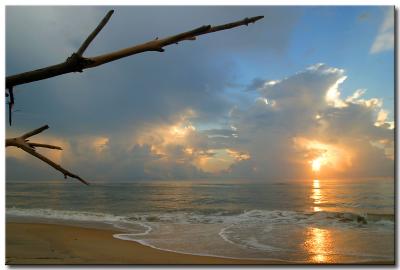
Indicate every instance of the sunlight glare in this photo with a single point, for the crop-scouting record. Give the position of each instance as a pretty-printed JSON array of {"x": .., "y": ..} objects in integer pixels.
[
  {"x": 316, "y": 195},
  {"x": 316, "y": 184},
  {"x": 319, "y": 244},
  {"x": 316, "y": 164}
]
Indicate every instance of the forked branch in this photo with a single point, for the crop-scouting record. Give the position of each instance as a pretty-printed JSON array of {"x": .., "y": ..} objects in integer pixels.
[
  {"x": 23, "y": 143},
  {"x": 77, "y": 63}
]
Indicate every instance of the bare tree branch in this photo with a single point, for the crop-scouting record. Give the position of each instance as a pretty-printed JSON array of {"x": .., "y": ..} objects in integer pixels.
[
  {"x": 77, "y": 63},
  {"x": 158, "y": 44},
  {"x": 34, "y": 145},
  {"x": 34, "y": 132},
  {"x": 29, "y": 147},
  {"x": 90, "y": 38}
]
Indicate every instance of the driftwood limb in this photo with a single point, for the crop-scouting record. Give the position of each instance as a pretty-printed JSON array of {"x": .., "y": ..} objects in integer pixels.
[
  {"x": 34, "y": 132},
  {"x": 29, "y": 147},
  {"x": 34, "y": 145},
  {"x": 77, "y": 63},
  {"x": 90, "y": 38}
]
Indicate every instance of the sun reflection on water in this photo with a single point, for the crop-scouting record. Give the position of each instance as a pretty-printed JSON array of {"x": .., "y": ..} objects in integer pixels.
[
  {"x": 319, "y": 244},
  {"x": 316, "y": 195},
  {"x": 318, "y": 241}
]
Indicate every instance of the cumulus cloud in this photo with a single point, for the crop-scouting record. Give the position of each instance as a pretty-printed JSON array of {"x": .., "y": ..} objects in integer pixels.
[
  {"x": 303, "y": 118},
  {"x": 293, "y": 123},
  {"x": 168, "y": 116},
  {"x": 384, "y": 40},
  {"x": 172, "y": 150}
]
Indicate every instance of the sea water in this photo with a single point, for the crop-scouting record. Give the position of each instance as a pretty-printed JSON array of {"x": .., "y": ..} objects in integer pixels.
[{"x": 304, "y": 221}]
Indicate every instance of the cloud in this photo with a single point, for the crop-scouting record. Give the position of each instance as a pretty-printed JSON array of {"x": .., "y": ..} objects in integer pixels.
[
  {"x": 255, "y": 84},
  {"x": 173, "y": 150},
  {"x": 302, "y": 118},
  {"x": 168, "y": 115},
  {"x": 384, "y": 40},
  {"x": 293, "y": 122},
  {"x": 150, "y": 87},
  {"x": 117, "y": 118}
]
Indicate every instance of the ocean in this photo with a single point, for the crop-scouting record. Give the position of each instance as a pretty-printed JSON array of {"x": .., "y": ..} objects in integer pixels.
[{"x": 304, "y": 221}]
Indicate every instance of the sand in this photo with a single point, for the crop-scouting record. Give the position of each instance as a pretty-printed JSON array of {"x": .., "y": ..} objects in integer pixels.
[
  {"x": 33, "y": 243},
  {"x": 39, "y": 243}
]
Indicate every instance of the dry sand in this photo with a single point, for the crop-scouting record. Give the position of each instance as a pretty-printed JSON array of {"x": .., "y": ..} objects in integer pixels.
[{"x": 31, "y": 243}]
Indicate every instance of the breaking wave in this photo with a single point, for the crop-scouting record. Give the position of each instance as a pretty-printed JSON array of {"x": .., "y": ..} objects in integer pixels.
[{"x": 270, "y": 217}]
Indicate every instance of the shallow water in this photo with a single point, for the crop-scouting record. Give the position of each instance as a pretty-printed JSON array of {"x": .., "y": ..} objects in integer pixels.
[{"x": 317, "y": 220}]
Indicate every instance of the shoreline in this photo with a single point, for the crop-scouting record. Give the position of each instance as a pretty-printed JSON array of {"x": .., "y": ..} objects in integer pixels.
[
  {"x": 45, "y": 243},
  {"x": 41, "y": 243}
]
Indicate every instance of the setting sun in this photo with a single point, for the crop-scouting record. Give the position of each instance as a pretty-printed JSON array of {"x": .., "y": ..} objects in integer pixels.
[
  {"x": 319, "y": 154},
  {"x": 316, "y": 165}
]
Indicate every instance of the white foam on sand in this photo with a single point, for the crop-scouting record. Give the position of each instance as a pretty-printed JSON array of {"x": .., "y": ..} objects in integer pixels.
[{"x": 245, "y": 235}]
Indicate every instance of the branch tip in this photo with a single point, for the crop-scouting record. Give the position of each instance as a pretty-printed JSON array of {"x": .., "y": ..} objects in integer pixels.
[
  {"x": 34, "y": 132},
  {"x": 92, "y": 35}
]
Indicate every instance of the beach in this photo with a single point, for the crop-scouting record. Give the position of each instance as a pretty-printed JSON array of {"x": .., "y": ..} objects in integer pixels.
[
  {"x": 35, "y": 243},
  {"x": 190, "y": 223},
  {"x": 40, "y": 243}
]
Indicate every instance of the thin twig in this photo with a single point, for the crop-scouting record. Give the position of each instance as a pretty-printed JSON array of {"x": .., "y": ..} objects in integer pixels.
[
  {"x": 90, "y": 38},
  {"x": 42, "y": 145},
  {"x": 34, "y": 132}
]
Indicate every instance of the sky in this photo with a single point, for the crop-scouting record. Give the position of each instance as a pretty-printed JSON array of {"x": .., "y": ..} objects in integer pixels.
[{"x": 305, "y": 92}]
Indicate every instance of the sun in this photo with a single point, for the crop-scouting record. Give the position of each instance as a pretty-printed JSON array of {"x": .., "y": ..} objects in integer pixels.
[
  {"x": 319, "y": 162},
  {"x": 316, "y": 165}
]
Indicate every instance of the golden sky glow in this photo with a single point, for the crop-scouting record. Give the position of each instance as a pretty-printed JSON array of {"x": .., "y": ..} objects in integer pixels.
[
  {"x": 316, "y": 164},
  {"x": 204, "y": 114},
  {"x": 181, "y": 142},
  {"x": 320, "y": 156},
  {"x": 100, "y": 144}
]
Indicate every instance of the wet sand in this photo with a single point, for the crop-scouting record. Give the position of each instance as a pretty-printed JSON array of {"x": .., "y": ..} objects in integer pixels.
[
  {"x": 38, "y": 243},
  {"x": 32, "y": 243}
]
